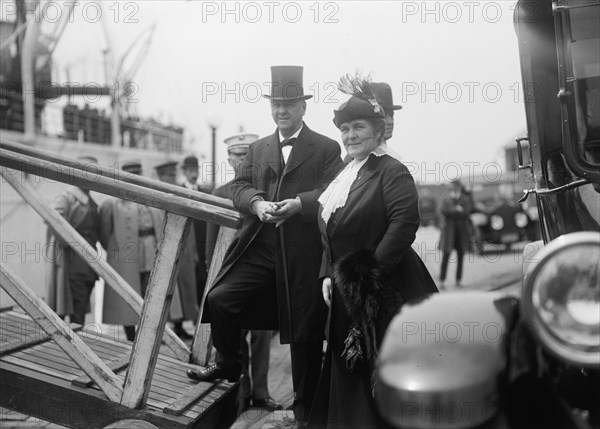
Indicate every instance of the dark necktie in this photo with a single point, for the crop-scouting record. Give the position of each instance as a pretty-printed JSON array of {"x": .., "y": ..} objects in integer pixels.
[{"x": 288, "y": 142}]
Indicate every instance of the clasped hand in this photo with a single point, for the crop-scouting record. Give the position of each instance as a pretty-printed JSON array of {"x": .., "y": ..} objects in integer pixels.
[{"x": 276, "y": 212}]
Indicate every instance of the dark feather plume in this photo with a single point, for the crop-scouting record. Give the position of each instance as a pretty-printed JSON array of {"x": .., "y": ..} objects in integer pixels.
[{"x": 360, "y": 87}]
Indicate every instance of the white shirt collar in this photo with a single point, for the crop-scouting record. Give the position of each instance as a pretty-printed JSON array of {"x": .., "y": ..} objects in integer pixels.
[{"x": 293, "y": 136}]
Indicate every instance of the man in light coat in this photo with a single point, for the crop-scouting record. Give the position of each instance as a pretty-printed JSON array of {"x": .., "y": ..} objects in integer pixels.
[{"x": 129, "y": 232}]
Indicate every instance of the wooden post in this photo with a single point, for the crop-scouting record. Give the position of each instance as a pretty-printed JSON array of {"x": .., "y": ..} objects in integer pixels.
[
  {"x": 156, "y": 308},
  {"x": 53, "y": 325},
  {"x": 202, "y": 344},
  {"x": 65, "y": 231}
]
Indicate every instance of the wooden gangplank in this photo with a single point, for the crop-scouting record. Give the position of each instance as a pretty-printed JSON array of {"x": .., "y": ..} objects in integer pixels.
[
  {"x": 74, "y": 375},
  {"x": 40, "y": 379}
]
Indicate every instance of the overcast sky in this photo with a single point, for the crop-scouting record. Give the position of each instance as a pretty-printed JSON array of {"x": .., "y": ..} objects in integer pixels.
[{"x": 452, "y": 65}]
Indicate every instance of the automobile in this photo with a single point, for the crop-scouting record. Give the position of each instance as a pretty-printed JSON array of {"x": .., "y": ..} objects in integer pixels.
[
  {"x": 475, "y": 359},
  {"x": 504, "y": 225}
]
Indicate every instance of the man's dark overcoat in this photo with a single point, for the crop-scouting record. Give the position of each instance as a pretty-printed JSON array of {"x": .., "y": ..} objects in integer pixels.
[
  {"x": 313, "y": 162},
  {"x": 456, "y": 230}
]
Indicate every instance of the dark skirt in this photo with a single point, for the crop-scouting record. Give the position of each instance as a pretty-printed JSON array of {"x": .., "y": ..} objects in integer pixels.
[{"x": 344, "y": 399}]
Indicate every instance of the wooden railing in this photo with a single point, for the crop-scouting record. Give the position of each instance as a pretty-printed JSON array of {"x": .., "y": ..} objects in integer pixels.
[{"x": 180, "y": 205}]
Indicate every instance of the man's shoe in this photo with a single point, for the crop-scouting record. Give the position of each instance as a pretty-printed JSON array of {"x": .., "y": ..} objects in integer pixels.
[
  {"x": 268, "y": 404},
  {"x": 215, "y": 372}
]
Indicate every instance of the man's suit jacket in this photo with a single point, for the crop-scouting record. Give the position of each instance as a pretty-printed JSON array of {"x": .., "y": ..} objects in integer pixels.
[{"x": 313, "y": 162}]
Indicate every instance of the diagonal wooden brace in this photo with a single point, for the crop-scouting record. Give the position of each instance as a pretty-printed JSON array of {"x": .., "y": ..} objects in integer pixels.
[
  {"x": 158, "y": 298},
  {"x": 58, "y": 330}
]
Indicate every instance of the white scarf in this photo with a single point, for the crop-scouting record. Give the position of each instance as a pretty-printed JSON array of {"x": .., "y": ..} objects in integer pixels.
[{"x": 336, "y": 194}]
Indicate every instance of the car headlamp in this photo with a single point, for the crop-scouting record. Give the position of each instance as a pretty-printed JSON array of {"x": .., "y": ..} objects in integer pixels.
[
  {"x": 496, "y": 222},
  {"x": 439, "y": 368},
  {"x": 521, "y": 219},
  {"x": 561, "y": 298}
]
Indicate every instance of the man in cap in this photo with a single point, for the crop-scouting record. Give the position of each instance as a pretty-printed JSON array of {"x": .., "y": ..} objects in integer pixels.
[
  {"x": 190, "y": 169},
  {"x": 129, "y": 232},
  {"x": 184, "y": 305},
  {"x": 71, "y": 279},
  {"x": 269, "y": 277},
  {"x": 255, "y": 389},
  {"x": 383, "y": 92}
]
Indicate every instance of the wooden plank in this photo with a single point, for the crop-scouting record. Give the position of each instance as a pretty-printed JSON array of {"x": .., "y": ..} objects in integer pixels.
[
  {"x": 113, "y": 186},
  {"x": 202, "y": 343},
  {"x": 156, "y": 307},
  {"x": 100, "y": 266},
  {"x": 115, "y": 366},
  {"x": 22, "y": 338},
  {"x": 188, "y": 397},
  {"x": 37, "y": 367},
  {"x": 118, "y": 174},
  {"x": 62, "y": 364},
  {"x": 60, "y": 332}
]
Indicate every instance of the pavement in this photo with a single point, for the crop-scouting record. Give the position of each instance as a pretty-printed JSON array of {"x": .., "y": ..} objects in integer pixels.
[{"x": 497, "y": 269}]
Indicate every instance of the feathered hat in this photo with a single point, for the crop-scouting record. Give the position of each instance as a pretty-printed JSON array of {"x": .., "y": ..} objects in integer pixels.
[{"x": 362, "y": 104}]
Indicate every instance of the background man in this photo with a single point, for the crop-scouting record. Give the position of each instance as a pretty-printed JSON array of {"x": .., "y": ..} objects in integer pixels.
[
  {"x": 129, "y": 232},
  {"x": 70, "y": 280},
  {"x": 255, "y": 389},
  {"x": 271, "y": 273},
  {"x": 190, "y": 170},
  {"x": 383, "y": 92}
]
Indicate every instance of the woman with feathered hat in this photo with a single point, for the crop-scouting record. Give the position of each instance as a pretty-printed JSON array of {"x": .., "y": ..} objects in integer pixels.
[{"x": 368, "y": 219}]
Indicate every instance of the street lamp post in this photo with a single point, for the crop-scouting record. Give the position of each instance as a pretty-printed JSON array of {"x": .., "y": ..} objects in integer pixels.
[
  {"x": 213, "y": 129},
  {"x": 213, "y": 123}
]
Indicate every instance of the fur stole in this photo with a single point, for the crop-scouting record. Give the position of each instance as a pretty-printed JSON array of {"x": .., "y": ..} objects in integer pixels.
[{"x": 357, "y": 276}]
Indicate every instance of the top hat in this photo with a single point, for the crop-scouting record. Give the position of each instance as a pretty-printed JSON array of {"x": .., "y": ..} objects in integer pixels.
[
  {"x": 165, "y": 166},
  {"x": 357, "y": 108},
  {"x": 383, "y": 92},
  {"x": 133, "y": 166},
  {"x": 240, "y": 142},
  {"x": 190, "y": 162},
  {"x": 286, "y": 84}
]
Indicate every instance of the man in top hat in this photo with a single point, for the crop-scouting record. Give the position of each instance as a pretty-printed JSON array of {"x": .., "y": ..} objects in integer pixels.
[
  {"x": 190, "y": 169},
  {"x": 255, "y": 389},
  {"x": 269, "y": 277},
  {"x": 184, "y": 305},
  {"x": 70, "y": 280},
  {"x": 129, "y": 232}
]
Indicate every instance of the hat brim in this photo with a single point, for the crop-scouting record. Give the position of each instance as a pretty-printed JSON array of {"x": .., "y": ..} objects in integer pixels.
[
  {"x": 239, "y": 150},
  {"x": 303, "y": 97},
  {"x": 391, "y": 107}
]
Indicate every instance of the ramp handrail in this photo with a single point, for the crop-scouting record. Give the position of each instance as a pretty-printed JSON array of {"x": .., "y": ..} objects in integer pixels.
[{"x": 134, "y": 179}]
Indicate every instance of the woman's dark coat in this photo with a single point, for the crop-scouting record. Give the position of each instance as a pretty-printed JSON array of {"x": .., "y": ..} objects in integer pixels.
[{"x": 380, "y": 216}]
